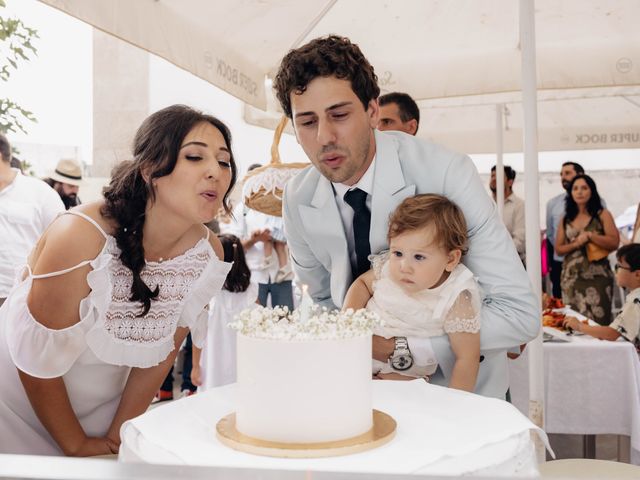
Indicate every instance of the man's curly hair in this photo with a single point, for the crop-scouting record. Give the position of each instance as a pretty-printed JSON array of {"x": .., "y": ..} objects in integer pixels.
[{"x": 325, "y": 57}]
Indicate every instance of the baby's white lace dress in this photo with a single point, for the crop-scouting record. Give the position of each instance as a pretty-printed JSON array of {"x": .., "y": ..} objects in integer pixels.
[{"x": 451, "y": 307}]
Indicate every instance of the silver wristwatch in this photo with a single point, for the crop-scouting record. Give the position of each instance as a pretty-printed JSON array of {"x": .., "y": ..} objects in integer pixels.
[{"x": 401, "y": 358}]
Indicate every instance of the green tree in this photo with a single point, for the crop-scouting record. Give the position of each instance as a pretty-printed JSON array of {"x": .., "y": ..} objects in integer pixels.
[{"x": 15, "y": 46}]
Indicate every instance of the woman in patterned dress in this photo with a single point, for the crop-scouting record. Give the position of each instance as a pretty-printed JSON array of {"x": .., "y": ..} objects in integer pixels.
[
  {"x": 107, "y": 296},
  {"x": 586, "y": 286}
]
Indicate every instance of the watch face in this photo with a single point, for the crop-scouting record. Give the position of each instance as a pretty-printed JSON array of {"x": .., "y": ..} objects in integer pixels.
[{"x": 402, "y": 362}]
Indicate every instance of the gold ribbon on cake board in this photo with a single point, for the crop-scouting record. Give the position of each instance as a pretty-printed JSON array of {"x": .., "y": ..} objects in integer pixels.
[{"x": 383, "y": 431}]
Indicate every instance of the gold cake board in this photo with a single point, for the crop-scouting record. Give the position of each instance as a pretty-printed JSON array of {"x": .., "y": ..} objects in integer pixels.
[{"x": 383, "y": 430}]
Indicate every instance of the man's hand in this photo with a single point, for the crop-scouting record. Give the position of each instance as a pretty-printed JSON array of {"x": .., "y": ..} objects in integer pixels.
[
  {"x": 513, "y": 355},
  {"x": 382, "y": 348}
]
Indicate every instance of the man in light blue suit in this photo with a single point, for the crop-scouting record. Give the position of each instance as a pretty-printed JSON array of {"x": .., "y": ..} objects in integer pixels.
[{"x": 329, "y": 90}]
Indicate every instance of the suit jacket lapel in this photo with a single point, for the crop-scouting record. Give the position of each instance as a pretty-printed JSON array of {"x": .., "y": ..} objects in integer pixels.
[
  {"x": 323, "y": 223},
  {"x": 389, "y": 190}
]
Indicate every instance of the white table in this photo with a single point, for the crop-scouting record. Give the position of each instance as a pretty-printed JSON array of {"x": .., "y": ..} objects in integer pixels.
[
  {"x": 591, "y": 387},
  {"x": 440, "y": 431}
]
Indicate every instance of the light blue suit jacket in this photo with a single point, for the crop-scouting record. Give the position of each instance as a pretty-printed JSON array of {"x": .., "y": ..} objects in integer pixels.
[{"x": 406, "y": 166}]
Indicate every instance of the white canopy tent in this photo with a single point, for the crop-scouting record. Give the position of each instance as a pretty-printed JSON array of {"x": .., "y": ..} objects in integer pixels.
[
  {"x": 576, "y": 119},
  {"x": 458, "y": 58},
  {"x": 432, "y": 49}
]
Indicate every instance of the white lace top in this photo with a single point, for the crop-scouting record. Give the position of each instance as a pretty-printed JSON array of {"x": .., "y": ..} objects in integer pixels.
[
  {"x": 451, "y": 307},
  {"x": 109, "y": 325}
]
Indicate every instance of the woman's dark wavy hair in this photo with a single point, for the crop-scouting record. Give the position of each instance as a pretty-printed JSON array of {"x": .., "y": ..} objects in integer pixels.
[
  {"x": 239, "y": 277},
  {"x": 594, "y": 205},
  {"x": 325, "y": 57},
  {"x": 155, "y": 152}
]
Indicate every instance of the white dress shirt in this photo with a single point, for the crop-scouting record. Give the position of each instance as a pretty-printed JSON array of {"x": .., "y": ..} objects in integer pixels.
[
  {"x": 27, "y": 207},
  {"x": 555, "y": 211},
  {"x": 346, "y": 212},
  {"x": 513, "y": 218}
]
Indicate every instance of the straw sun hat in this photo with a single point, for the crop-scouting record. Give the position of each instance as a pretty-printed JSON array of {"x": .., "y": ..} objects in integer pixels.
[
  {"x": 67, "y": 171},
  {"x": 263, "y": 187}
]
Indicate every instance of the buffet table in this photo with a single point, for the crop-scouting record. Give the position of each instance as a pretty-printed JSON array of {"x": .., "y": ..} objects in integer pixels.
[
  {"x": 440, "y": 431},
  {"x": 591, "y": 387}
]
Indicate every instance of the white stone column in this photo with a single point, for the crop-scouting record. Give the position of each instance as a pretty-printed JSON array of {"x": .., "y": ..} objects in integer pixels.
[{"x": 120, "y": 99}]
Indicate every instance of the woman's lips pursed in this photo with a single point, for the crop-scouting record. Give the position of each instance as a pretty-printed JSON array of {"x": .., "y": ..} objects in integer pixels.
[{"x": 209, "y": 195}]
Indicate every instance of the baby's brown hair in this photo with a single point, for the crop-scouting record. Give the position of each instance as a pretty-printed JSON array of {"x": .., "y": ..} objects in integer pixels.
[{"x": 420, "y": 211}]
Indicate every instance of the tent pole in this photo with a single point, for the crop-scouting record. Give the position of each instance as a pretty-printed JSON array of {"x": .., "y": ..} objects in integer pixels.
[
  {"x": 499, "y": 161},
  {"x": 532, "y": 213},
  {"x": 298, "y": 41}
]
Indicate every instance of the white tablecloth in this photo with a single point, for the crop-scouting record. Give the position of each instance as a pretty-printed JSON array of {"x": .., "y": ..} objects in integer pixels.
[
  {"x": 440, "y": 431},
  {"x": 591, "y": 387}
]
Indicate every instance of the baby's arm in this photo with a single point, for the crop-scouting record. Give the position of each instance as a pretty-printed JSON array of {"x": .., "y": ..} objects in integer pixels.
[
  {"x": 462, "y": 325},
  {"x": 360, "y": 291},
  {"x": 466, "y": 347}
]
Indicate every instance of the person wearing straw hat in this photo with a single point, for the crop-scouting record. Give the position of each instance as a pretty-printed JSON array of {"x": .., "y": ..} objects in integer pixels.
[
  {"x": 336, "y": 212},
  {"x": 66, "y": 180}
]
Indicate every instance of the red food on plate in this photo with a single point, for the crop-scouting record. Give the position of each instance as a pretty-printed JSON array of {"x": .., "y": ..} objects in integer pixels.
[
  {"x": 549, "y": 302},
  {"x": 552, "y": 319}
]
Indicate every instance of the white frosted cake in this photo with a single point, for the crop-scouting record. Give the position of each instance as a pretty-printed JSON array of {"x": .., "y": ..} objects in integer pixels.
[{"x": 304, "y": 382}]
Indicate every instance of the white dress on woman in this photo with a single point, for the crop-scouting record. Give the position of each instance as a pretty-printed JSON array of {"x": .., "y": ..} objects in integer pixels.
[
  {"x": 453, "y": 306},
  {"x": 94, "y": 356},
  {"x": 218, "y": 359}
]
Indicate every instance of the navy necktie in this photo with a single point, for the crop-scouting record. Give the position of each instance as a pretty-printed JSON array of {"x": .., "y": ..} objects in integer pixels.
[{"x": 357, "y": 199}]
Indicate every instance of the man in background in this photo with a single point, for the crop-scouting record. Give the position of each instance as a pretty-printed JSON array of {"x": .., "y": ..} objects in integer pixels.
[
  {"x": 27, "y": 206},
  {"x": 512, "y": 210},
  {"x": 398, "y": 111},
  {"x": 66, "y": 180}
]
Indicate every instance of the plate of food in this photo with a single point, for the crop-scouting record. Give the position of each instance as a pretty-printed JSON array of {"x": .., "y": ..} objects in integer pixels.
[
  {"x": 553, "y": 317},
  {"x": 551, "y": 303},
  {"x": 553, "y": 335}
]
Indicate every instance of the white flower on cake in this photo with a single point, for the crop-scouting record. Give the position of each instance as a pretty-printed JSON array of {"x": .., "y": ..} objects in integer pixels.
[{"x": 280, "y": 324}]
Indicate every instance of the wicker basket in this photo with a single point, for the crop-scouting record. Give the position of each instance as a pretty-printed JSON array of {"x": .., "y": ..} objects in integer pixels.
[{"x": 263, "y": 186}]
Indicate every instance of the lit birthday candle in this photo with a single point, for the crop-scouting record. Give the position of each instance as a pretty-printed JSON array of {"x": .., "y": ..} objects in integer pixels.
[{"x": 305, "y": 305}]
